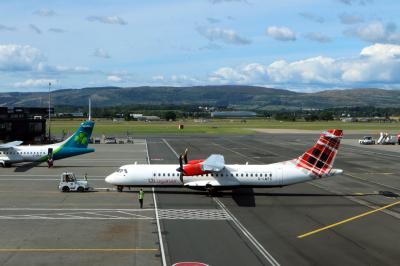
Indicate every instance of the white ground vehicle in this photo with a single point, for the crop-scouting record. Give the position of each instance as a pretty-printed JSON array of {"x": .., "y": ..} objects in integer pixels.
[
  {"x": 68, "y": 182},
  {"x": 386, "y": 139},
  {"x": 367, "y": 140},
  {"x": 110, "y": 140},
  {"x": 390, "y": 140}
]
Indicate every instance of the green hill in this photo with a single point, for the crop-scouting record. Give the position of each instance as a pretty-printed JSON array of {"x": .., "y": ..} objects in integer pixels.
[{"x": 235, "y": 96}]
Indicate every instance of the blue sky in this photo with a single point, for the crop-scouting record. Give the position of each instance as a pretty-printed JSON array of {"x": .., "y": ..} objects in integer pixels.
[{"x": 298, "y": 45}]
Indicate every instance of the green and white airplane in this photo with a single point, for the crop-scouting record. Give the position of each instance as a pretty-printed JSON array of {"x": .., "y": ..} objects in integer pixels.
[{"x": 14, "y": 152}]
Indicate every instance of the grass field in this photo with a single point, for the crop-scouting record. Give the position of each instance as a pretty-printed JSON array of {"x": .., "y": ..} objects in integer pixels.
[{"x": 220, "y": 126}]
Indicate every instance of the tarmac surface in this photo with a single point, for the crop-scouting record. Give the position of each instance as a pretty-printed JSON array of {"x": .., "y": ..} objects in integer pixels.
[{"x": 41, "y": 226}]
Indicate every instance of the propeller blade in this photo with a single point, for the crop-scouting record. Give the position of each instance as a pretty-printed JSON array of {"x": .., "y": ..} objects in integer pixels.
[
  {"x": 180, "y": 162},
  {"x": 185, "y": 158},
  {"x": 181, "y": 177}
]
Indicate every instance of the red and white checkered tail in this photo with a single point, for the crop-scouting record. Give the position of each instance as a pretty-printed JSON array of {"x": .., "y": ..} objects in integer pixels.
[{"x": 319, "y": 159}]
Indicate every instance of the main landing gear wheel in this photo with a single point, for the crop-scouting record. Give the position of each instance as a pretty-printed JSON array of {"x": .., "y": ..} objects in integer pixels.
[
  {"x": 120, "y": 188},
  {"x": 81, "y": 189},
  {"x": 65, "y": 189},
  {"x": 210, "y": 190},
  {"x": 5, "y": 165}
]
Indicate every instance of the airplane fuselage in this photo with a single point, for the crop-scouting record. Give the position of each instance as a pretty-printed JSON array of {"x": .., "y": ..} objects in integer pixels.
[
  {"x": 166, "y": 175},
  {"x": 27, "y": 153}
]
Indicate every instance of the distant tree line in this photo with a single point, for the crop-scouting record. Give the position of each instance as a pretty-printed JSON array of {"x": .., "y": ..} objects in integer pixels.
[{"x": 173, "y": 112}]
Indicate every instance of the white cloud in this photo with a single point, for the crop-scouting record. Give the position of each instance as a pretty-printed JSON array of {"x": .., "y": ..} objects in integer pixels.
[
  {"x": 15, "y": 57},
  {"x": 376, "y": 64},
  {"x": 101, "y": 53},
  {"x": 34, "y": 83},
  {"x": 350, "y": 19},
  {"x": 312, "y": 17},
  {"x": 114, "y": 78},
  {"x": 311, "y": 70},
  {"x": 158, "y": 78},
  {"x": 247, "y": 74},
  {"x": 281, "y": 33},
  {"x": 381, "y": 51},
  {"x": 183, "y": 80},
  {"x": 317, "y": 37},
  {"x": 44, "y": 68},
  {"x": 45, "y": 12},
  {"x": 108, "y": 19},
  {"x": 376, "y": 32},
  {"x": 35, "y": 29},
  {"x": 224, "y": 35}
]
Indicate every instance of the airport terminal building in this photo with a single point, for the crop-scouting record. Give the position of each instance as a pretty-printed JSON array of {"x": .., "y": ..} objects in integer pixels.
[{"x": 25, "y": 124}]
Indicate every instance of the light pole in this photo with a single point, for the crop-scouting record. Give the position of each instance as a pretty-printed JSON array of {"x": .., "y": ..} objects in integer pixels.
[{"x": 49, "y": 111}]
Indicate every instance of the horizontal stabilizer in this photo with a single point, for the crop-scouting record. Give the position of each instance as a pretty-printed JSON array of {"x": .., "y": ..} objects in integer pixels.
[{"x": 10, "y": 144}]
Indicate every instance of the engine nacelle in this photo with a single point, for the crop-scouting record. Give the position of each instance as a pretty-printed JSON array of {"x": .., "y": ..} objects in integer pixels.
[
  {"x": 195, "y": 161},
  {"x": 193, "y": 169}
]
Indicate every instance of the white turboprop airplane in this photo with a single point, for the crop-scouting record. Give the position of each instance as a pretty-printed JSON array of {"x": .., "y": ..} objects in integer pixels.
[
  {"x": 77, "y": 144},
  {"x": 212, "y": 174}
]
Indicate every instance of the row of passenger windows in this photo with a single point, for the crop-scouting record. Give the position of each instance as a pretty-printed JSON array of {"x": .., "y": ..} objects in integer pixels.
[
  {"x": 23, "y": 153},
  {"x": 221, "y": 174}
]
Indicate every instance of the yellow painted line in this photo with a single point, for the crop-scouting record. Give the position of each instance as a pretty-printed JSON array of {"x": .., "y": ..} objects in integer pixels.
[
  {"x": 76, "y": 249},
  {"x": 348, "y": 220}
]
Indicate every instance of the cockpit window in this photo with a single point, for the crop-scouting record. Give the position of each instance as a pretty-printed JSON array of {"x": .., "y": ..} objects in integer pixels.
[{"x": 122, "y": 170}]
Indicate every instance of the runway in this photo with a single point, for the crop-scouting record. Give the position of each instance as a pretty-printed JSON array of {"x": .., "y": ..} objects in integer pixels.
[{"x": 243, "y": 227}]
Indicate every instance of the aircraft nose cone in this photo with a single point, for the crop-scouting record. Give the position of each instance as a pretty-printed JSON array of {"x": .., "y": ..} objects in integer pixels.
[{"x": 110, "y": 179}]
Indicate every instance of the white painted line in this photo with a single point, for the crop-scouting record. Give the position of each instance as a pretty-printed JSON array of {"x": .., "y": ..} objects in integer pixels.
[
  {"x": 164, "y": 262},
  {"x": 147, "y": 153},
  {"x": 160, "y": 240},
  {"x": 71, "y": 209},
  {"x": 101, "y": 214},
  {"x": 249, "y": 236},
  {"x": 245, "y": 232},
  {"x": 356, "y": 200},
  {"x": 134, "y": 215},
  {"x": 169, "y": 146}
]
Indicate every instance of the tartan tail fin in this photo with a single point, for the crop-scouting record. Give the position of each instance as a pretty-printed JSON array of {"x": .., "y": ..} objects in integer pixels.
[{"x": 320, "y": 158}]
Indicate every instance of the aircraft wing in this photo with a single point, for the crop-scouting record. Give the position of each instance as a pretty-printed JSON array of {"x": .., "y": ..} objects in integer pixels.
[
  {"x": 10, "y": 145},
  {"x": 214, "y": 163}
]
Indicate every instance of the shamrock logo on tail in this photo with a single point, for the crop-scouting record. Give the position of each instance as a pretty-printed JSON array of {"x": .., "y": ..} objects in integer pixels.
[{"x": 81, "y": 138}]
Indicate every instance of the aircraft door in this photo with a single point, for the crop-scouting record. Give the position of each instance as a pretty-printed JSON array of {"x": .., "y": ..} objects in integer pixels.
[
  {"x": 50, "y": 157},
  {"x": 279, "y": 176}
]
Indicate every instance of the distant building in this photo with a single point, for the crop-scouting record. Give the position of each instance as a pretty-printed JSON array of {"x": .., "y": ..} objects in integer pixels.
[
  {"x": 148, "y": 118},
  {"x": 76, "y": 114},
  {"x": 233, "y": 114},
  {"x": 136, "y": 116}
]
